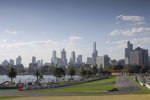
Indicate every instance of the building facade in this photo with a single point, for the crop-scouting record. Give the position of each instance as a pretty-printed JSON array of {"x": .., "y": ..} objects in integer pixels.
[
  {"x": 94, "y": 54},
  {"x": 139, "y": 56},
  {"x": 103, "y": 61},
  {"x": 127, "y": 52}
]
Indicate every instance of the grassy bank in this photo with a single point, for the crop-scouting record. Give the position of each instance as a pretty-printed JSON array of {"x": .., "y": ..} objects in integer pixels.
[
  {"x": 108, "y": 97},
  {"x": 94, "y": 86}
]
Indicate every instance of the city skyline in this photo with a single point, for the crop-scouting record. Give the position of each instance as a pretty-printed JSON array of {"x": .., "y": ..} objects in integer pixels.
[{"x": 36, "y": 28}]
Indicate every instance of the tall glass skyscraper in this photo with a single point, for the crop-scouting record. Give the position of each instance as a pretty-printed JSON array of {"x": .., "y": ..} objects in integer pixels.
[
  {"x": 54, "y": 58},
  {"x": 127, "y": 52},
  {"x": 95, "y": 53}
]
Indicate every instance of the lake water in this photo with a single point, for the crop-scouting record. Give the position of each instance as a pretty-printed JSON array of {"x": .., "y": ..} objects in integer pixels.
[{"x": 32, "y": 78}]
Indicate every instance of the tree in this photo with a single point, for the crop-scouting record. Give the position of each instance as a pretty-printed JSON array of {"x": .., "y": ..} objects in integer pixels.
[
  {"x": 144, "y": 69},
  {"x": 118, "y": 67},
  {"x": 83, "y": 72},
  {"x": 89, "y": 72},
  {"x": 37, "y": 74},
  {"x": 100, "y": 70},
  {"x": 71, "y": 71},
  {"x": 12, "y": 73},
  {"x": 58, "y": 72},
  {"x": 94, "y": 70},
  {"x": 134, "y": 68}
]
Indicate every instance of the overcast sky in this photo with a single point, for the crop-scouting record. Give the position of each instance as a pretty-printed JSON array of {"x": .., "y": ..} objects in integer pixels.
[{"x": 37, "y": 27}]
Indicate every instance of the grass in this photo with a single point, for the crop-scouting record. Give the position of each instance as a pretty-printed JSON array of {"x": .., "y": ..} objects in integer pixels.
[
  {"x": 8, "y": 97},
  {"x": 144, "y": 90},
  {"x": 94, "y": 86},
  {"x": 108, "y": 97}
]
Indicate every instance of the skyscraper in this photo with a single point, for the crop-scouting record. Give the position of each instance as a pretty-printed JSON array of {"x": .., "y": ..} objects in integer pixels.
[
  {"x": 127, "y": 52},
  {"x": 73, "y": 58},
  {"x": 139, "y": 56},
  {"x": 33, "y": 60},
  {"x": 11, "y": 62},
  {"x": 63, "y": 57},
  {"x": 103, "y": 61},
  {"x": 94, "y": 54},
  {"x": 18, "y": 60},
  {"x": 79, "y": 59},
  {"x": 54, "y": 58}
]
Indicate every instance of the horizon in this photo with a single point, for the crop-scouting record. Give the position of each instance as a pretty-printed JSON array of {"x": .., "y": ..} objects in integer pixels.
[{"x": 36, "y": 28}]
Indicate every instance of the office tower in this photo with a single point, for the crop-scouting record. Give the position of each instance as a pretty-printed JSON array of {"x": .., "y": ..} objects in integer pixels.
[
  {"x": 127, "y": 52},
  {"x": 41, "y": 62},
  {"x": 33, "y": 60},
  {"x": 59, "y": 62},
  {"x": 5, "y": 63},
  {"x": 79, "y": 59},
  {"x": 94, "y": 54},
  {"x": 73, "y": 58},
  {"x": 103, "y": 61},
  {"x": 63, "y": 57},
  {"x": 89, "y": 60},
  {"x": 139, "y": 56},
  {"x": 18, "y": 60},
  {"x": 11, "y": 62},
  {"x": 54, "y": 58}
]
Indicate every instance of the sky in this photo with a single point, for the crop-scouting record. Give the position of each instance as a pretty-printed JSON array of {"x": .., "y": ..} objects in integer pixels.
[{"x": 37, "y": 27}]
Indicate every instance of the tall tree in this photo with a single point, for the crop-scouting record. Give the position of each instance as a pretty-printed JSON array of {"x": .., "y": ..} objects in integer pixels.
[
  {"x": 94, "y": 70},
  {"x": 12, "y": 73},
  {"x": 58, "y": 72},
  {"x": 89, "y": 72},
  {"x": 83, "y": 72},
  {"x": 71, "y": 71},
  {"x": 37, "y": 74}
]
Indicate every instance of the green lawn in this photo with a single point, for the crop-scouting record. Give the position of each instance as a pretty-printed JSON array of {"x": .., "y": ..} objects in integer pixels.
[
  {"x": 8, "y": 97},
  {"x": 94, "y": 86}
]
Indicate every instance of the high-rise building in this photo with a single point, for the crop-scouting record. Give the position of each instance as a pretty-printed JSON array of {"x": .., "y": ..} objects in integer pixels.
[
  {"x": 73, "y": 58},
  {"x": 139, "y": 56},
  {"x": 89, "y": 60},
  {"x": 41, "y": 62},
  {"x": 33, "y": 60},
  {"x": 63, "y": 57},
  {"x": 59, "y": 62},
  {"x": 18, "y": 60},
  {"x": 54, "y": 58},
  {"x": 95, "y": 53},
  {"x": 11, "y": 62},
  {"x": 79, "y": 59},
  {"x": 103, "y": 61},
  {"x": 5, "y": 63},
  {"x": 127, "y": 52}
]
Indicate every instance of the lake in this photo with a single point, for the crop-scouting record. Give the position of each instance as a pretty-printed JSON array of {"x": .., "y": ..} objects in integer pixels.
[{"x": 32, "y": 78}]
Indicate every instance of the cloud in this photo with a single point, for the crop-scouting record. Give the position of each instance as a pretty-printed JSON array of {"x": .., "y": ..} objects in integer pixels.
[
  {"x": 122, "y": 44},
  {"x": 141, "y": 40},
  {"x": 135, "y": 41},
  {"x": 10, "y": 32},
  {"x": 130, "y": 18},
  {"x": 132, "y": 31}
]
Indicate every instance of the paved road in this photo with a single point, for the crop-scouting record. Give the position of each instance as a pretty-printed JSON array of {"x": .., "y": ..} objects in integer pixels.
[
  {"x": 122, "y": 83},
  {"x": 126, "y": 85}
]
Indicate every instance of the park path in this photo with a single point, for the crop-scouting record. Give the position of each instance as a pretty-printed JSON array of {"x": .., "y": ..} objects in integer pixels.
[{"x": 124, "y": 84}]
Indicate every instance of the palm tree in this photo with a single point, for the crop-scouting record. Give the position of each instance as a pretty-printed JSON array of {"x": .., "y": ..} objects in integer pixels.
[
  {"x": 12, "y": 73},
  {"x": 37, "y": 74}
]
